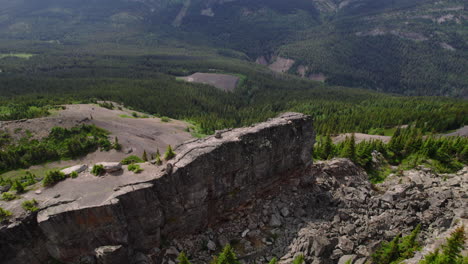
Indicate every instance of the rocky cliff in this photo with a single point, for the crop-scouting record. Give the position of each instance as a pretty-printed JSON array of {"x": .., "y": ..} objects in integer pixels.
[{"x": 131, "y": 221}]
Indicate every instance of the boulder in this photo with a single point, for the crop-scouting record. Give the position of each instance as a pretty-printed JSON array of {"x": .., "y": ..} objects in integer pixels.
[
  {"x": 76, "y": 168},
  {"x": 112, "y": 255},
  {"x": 345, "y": 244},
  {"x": 111, "y": 166},
  {"x": 275, "y": 220},
  {"x": 211, "y": 245},
  {"x": 347, "y": 259}
]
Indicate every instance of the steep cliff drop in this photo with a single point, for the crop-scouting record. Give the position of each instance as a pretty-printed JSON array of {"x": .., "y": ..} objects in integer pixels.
[{"x": 124, "y": 220}]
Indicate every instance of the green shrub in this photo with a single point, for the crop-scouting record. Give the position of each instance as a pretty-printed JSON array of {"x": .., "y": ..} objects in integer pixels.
[
  {"x": 227, "y": 256},
  {"x": 30, "y": 205},
  {"x": 273, "y": 261},
  {"x": 182, "y": 258},
  {"x": 165, "y": 119},
  {"x": 74, "y": 174},
  {"x": 451, "y": 251},
  {"x": 131, "y": 159},
  {"x": 105, "y": 144},
  {"x": 170, "y": 154},
  {"x": 107, "y": 105},
  {"x": 52, "y": 177},
  {"x": 4, "y": 214},
  {"x": 144, "y": 157},
  {"x": 135, "y": 168},
  {"x": 400, "y": 248},
  {"x": 117, "y": 146},
  {"x": 298, "y": 260},
  {"x": 18, "y": 186},
  {"x": 98, "y": 170},
  {"x": 8, "y": 196},
  {"x": 134, "y": 114}
]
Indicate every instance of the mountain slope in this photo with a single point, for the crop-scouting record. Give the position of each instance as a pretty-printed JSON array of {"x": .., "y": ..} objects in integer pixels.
[{"x": 416, "y": 47}]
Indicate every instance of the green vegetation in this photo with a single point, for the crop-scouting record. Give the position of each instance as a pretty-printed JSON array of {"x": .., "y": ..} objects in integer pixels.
[
  {"x": 107, "y": 105},
  {"x": 4, "y": 214},
  {"x": 117, "y": 146},
  {"x": 98, "y": 170},
  {"x": 397, "y": 250},
  {"x": 165, "y": 119},
  {"x": 60, "y": 144},
  {"x": 451, "y": 251},
  {"x": 16, "y": 55},
  {"x": 144, "y": 157},
  {"x": 408, "y": 148},
  {"x": 228, "y": 256},
  {"x": 135, "y": 168},
  {"x": 169, "y": 154},
  {"x": 131, "y": 159},
  {"x": 298, "y": 260},
  {"x": 182, "y": 258},
  {"x": 30, "y": 205},
  {"x": 17, "y": 186},
  {"x": 6, "y": 196},
  {"x": 158, "y": 158},
  {"x": 52, "y": 177},
  {"x": 74, "y": 175}
]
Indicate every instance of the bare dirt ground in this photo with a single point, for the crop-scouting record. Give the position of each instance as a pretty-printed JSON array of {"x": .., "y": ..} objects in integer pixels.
[
  {"x": 224, "y": 82},
  {"x": 137, "y": 134},
  {"x": 462, "y": 132},
  {"x": 360, "y": 137},
  {"x": 281, "y": 65},
  {"x": 320, "y": 77}
]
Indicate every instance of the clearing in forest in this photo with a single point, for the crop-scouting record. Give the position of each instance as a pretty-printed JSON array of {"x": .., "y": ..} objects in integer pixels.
[{"x": 224, "y": 82}]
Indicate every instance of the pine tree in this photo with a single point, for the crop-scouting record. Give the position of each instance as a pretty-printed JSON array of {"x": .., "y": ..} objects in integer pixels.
[
  {"x": 454, "y": 246},
  {"x": 117, "y": 145},
  {"x": 327, "y": 148},
  {"x": 169, "y": 153},
  {"x": 349, "y": 149},
  {"x": 388, "y": 252},
  {"x": 145, "y": 156},
  {"x": 18, "y": 187},
  {"x": 298, "y": 260},
  {"x": 409, "y": 244},
  {"x": 183, "y": 259},
  {"x": 227, "y": 256},
  {"x": 273, "y": 261}
]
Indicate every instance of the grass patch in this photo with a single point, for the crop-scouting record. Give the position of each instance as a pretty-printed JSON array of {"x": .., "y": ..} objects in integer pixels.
[
  {"x": 165, "y": 119},
  {"x": 126, "y": 116},
  {"x": 30, "y": 205},
  {"x": 195, "y": 129},
  {"x": 4, "y": 214},
  {"x": 131, "y": 160},
  {"x": 6, "y": 196},
  {"x": 135, "y": 168},
  {"x": 16, "y": 55},
  {"x": 16, "y": 174}
]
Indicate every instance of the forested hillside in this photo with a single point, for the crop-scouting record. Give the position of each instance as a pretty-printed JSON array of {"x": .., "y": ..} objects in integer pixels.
[{"x": 415, "y": 47}]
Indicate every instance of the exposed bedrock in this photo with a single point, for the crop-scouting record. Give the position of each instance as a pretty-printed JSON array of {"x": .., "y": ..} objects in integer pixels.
[{"x": 208, "y": 178}]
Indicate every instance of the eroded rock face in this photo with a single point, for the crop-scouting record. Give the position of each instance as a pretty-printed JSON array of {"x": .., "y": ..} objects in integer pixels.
[
  {"x": 208, "y": 178},
  {"x": 335, "y": 214}
]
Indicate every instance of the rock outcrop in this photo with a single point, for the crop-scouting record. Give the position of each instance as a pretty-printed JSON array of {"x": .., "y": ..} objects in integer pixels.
[
  {"x": 207, "y": 179},
  {"x": 331, "y": 214},
  {"x": 254, "y": 188}
]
